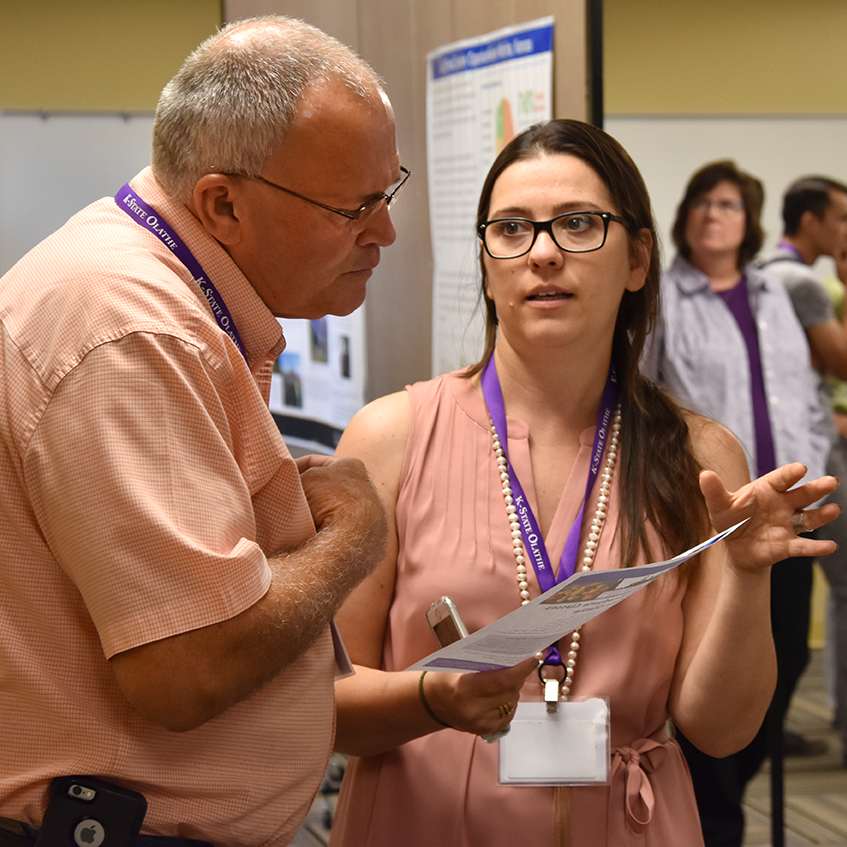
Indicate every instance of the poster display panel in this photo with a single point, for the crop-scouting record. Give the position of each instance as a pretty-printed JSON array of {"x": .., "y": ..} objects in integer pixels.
[
  {"x": 318, "y": 382},
  {"x": 481, "y": 92}
]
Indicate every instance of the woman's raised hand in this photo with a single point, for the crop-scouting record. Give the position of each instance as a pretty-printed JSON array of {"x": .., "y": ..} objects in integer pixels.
[{"x": 776, "y": 513}]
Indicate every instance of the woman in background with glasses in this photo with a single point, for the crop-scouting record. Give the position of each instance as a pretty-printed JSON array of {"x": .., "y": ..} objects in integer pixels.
[
  {"x": 729, "y": 345},
  {"x": 609, "y": 465}
]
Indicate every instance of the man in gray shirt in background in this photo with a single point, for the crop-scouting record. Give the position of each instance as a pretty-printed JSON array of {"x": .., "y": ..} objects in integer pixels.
[{"x": 814, "y": 213}]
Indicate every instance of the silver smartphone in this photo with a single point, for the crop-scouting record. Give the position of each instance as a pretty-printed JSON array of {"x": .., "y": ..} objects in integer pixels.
[
  {"x": 447, "y": 625},
  {"x": 445, "y": 622}
]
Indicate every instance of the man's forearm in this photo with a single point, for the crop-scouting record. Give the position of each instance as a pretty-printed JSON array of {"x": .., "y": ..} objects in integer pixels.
[{"x": 185, "y": 680}]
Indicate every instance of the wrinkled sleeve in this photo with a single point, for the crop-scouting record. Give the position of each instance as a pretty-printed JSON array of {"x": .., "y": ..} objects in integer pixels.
[{"x": 135, "y": 477}]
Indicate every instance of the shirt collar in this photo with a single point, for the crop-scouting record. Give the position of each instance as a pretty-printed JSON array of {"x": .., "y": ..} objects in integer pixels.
[
  {"x": 261, "y": 333},
  {"x": 691, "y": 281}
]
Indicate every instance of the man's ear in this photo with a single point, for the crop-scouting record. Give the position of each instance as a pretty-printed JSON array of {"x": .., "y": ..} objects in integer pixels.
[
  {"x": 214, "y": 203},
  {"x": 809, "y": 221}
]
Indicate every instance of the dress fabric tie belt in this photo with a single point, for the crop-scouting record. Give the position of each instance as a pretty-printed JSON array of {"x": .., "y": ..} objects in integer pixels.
[{"x": 631, "y": 787}]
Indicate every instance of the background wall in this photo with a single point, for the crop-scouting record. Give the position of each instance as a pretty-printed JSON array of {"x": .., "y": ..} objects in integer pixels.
[
  {"x": 96, "y": 55},
  {"x": 776, "y": 57},
  {"x": 686, "y": 82},
  {"x": 763, "y": 82},
  {"x": 78, "y": 86}
]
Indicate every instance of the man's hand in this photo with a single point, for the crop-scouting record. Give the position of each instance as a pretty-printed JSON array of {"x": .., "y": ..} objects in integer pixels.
[
  {"x": 340, "y": 489},
  {"x": 185, "y": 680}
]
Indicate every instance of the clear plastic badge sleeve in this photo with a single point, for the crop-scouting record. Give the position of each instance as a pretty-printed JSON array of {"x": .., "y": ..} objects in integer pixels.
[{"x": 568, "y": 747}]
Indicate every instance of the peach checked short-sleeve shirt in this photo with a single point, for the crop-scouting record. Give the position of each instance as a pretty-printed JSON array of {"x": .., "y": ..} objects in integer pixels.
[{"x": 142, "y": 483}]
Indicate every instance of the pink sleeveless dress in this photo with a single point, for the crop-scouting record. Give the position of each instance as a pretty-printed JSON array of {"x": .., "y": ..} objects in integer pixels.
[{"x": 454, "y": 539}]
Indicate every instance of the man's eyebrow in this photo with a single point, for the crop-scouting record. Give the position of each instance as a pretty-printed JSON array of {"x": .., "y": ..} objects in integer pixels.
[{"x": 378, "y": 195}]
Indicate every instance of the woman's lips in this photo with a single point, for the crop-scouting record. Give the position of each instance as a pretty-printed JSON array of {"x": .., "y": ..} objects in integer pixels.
[{"x": 549, "y": 296}]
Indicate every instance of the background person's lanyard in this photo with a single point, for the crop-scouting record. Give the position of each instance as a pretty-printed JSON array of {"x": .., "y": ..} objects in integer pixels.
[
  {"x": 139, "y": 211},
  {"x": 532, "y": 538}
]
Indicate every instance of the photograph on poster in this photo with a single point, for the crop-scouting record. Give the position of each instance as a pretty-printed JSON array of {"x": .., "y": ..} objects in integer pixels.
[
  {"x": 319, "y": 340},
  {"x": 288, "y": 367},
  {"x": 327, "y": 358}
]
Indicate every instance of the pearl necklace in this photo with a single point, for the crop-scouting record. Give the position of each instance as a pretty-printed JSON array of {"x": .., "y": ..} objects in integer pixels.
[{"x": 590, "y": 545}]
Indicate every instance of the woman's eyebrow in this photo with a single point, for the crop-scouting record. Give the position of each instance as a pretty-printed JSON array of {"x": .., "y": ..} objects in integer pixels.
[{"x": 559, "y": 209}]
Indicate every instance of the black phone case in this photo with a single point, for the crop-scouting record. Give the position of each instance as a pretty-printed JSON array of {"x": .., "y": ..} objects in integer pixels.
[{"x": 86, "y": 812}]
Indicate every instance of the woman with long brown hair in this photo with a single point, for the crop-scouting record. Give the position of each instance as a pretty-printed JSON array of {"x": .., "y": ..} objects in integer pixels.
[{"x": 557, "y": 412}]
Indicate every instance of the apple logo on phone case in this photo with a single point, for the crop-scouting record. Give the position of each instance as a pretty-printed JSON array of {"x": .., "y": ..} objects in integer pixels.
[{"x": 89, "y": 833}]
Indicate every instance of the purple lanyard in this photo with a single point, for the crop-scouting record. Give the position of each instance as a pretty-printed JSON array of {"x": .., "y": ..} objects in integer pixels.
[
  {"x": 532, "y": 539},
  {"x": 790, "y": 248},
  {"x": 144, "y": 215}
]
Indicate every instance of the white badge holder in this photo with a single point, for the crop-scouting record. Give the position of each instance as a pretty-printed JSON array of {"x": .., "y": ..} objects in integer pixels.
[{"x": 567, "y": 747}]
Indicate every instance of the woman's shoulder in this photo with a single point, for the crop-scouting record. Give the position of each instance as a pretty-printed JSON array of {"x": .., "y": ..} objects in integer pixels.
[
  {"x": 682, "y": 283},
  {"x": 678, "y": 270},
  {"x": 391, "y": 414},
  {"x": 384, "y": 417},
  {"x": 378, "y": 435}
]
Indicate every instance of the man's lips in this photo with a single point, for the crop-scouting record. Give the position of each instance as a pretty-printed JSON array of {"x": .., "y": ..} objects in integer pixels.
[{"x": 368, "y": 269}]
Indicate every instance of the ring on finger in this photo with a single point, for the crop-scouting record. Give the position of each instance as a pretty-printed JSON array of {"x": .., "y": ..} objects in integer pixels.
[
  {"x": 505, "y": 709},
  {"x": 797, "y": 522}
]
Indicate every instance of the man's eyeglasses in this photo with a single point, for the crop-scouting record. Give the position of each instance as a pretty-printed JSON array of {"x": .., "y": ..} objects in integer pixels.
[
  {"x": 364, "y": 211},
  {"x": 573, "y": 232}
]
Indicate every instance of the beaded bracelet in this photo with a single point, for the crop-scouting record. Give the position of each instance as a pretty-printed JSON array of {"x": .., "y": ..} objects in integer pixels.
[{"x": 426, "y": 705}]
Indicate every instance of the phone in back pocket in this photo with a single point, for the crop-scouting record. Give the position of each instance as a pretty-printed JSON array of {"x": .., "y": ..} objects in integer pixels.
[{"x": 86, "y": 812}]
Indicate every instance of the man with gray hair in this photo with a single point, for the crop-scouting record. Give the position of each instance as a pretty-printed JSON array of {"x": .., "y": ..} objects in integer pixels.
[{"x": 169, "y": 571}]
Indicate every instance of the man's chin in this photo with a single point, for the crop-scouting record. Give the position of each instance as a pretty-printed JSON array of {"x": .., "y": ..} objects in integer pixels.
[
  {"x": 351, "y": 295},
  {"x": 343, "y": 311},
  {"x": 340, "y": 299}
]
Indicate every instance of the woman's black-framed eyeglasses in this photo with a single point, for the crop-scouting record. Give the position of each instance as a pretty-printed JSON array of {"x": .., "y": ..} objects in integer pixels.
[{"x": 573, "y": 232}]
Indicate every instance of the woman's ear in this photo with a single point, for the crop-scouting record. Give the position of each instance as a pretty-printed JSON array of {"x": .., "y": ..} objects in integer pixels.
[
  {"x": 214, "y": 203},
  {"x": 641, "y": 252}
]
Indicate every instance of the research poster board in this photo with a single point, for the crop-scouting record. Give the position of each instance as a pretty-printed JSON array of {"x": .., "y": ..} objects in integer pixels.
[
  {"x": 318, "y": 382},
  {"x": 481, "y": 92}
]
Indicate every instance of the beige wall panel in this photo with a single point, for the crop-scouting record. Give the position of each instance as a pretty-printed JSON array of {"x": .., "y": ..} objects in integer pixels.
[
  {"x": 399, "y": 305},
  {"x": 96, "y": 55},
  {"x": 570, "y": 61},
  {"x": 477, "y": 18},
  {"x": 722, "y": 57},
  {"x": 433, "y": 23},
  {"x": 337, "y": 17}
]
